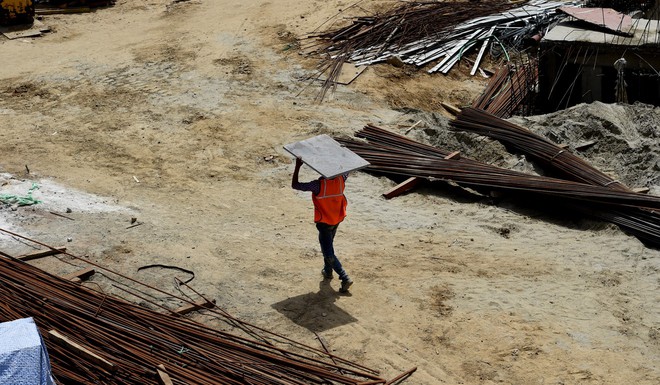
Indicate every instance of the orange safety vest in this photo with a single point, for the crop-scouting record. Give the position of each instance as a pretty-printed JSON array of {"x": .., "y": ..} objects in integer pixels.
[{"x": 330, "y": 203}]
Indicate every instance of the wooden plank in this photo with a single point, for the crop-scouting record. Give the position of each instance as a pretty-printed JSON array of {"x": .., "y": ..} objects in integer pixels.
[
  {"x": 199, "y": 304},
  {"x": 641, "y": 190},
  {"x": 80, "y": 275},
  {"x": 413, "y": 126},
  {"x": 451, "y": 108},
  {"x": 42, "y": 253},
  {"x": 453, "y": 155},
  {"x": 30, "y": 30},
  {"x": 326, "y": 156},
  {"x": 163, "y": 377},
  {"x": 65, "y": 342},
  {"x": 583, "y": 145},
  {"x": 402, "y": 187}
]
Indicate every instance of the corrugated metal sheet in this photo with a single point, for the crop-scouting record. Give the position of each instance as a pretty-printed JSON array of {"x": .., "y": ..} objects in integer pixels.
[
  {"x": 644, "y": 32},
  {"x": 602, "y": 17}
]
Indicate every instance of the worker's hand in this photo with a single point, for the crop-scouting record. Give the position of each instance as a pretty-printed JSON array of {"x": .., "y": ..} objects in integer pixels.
[{"x": 296, "y": 170}]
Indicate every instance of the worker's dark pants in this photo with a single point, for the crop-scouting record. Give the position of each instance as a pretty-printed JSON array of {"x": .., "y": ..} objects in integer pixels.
[{"x": 326, "y": 237}]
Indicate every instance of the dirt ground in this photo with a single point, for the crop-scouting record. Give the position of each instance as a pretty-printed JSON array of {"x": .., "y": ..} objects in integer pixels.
[{"x": 176, "y": 114}]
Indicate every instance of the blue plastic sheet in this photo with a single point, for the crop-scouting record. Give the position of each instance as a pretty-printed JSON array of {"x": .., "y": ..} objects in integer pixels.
[{"x": 23, "y": 356}]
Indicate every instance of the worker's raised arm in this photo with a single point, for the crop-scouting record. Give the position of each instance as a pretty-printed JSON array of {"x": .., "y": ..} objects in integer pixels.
[{"x": 294, "y": 177}]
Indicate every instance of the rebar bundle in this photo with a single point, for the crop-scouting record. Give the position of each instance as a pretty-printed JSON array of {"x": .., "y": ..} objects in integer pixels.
[
  {"x": 390, "y": 153},
  {"x": 546, "y": 152},
  {"x": 133, "y": 341},
  {"x": 511, "y": 89},
  {"x": 644, "y": 224}
]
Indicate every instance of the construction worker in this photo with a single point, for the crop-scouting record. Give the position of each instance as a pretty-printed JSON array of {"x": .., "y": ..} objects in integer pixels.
[{"x": 329, "y": 210}]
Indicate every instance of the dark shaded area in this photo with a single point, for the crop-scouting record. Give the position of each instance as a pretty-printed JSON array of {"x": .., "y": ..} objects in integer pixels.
[
  {"x": 626, "y": 6},
  {"x": 316, "y": 312},
  {"x": 575, "y": 72}
]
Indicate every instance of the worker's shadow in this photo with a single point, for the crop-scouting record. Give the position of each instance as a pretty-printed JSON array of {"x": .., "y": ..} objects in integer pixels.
[{"x": 315, "y": 311}]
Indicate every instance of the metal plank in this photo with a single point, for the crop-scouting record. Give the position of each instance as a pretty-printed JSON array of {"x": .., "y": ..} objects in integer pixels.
[
  {"x": 326, "y": 156},
  {"x": 481, "y": 51},
  {"x": 461, "y": 45}
]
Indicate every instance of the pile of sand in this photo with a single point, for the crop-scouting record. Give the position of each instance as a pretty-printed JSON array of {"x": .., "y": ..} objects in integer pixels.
[{"x": 625, "y": 138}]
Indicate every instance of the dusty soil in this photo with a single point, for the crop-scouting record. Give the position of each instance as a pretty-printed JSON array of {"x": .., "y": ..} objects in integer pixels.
[{"x": 176, "y": 114}]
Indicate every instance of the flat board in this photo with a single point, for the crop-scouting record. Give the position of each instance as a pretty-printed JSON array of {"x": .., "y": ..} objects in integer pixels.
[
  {"x": 18, "y": 31},
  {"x": 326, "y": 156}
]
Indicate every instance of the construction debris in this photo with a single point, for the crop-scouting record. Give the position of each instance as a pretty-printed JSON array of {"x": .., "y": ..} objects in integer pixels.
[
  {"x": 441, "y": 34},
  {"x": 421, "y": 33},
  {"x": 18, "y": 200}
]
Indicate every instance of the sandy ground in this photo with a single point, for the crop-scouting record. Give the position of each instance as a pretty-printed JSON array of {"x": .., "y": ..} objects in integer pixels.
[{"x": 176, "y": 115}]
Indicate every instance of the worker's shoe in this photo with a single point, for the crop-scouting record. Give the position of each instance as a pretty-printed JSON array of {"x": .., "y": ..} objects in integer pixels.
[
  {"x": 326, "y": 275},
  {"x": 345, "y": 284}
]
